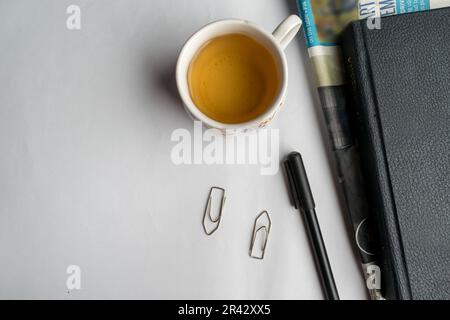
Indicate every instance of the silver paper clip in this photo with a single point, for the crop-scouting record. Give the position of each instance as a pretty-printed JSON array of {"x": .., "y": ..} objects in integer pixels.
[
  {"x": 260, "y": 229},
  {"x": 207, "y": 214}
]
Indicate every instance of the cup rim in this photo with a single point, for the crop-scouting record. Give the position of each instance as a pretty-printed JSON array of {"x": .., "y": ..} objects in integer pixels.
[{"x": 189, "y": 103}]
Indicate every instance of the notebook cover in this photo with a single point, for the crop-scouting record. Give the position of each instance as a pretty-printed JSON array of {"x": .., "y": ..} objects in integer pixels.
[{"x": 400, "y": 102}]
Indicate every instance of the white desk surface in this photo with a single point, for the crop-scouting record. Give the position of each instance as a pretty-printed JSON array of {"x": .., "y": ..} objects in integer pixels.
[{"x": 86, "y": 177}]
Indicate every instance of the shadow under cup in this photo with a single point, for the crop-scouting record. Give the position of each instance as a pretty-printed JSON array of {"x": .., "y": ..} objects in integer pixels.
[{"x": 219, "y": 29}]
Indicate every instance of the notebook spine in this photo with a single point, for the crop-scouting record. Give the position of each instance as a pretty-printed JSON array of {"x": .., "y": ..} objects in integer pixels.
[{"x": 362, "y": 105}]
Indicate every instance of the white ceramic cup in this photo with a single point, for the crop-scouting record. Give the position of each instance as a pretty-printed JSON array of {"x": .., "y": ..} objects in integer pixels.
[{"x": 275, "y": 42}]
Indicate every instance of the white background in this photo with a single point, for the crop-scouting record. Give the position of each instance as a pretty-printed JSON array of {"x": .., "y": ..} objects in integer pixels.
[{"x": 86, "y": 176}]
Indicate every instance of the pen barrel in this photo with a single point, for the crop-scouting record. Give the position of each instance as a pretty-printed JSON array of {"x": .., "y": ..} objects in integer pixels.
[
  {"x": 303, "y": 199},
  {"x": 320, "y": 255}
]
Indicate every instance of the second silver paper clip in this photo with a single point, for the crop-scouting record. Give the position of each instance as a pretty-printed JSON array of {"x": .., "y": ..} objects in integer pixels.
[{"x": 261, "y": 231}]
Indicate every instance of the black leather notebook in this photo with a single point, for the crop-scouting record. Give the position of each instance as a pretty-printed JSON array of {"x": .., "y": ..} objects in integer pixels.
[{"x": 400, "y": 103}]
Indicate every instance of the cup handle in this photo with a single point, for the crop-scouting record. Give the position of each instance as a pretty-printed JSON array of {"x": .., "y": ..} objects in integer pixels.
[{"x": 287, "y": 30}]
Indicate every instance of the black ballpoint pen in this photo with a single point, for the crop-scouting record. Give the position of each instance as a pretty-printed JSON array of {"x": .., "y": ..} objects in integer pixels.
[{"x": 302, "y": 198}]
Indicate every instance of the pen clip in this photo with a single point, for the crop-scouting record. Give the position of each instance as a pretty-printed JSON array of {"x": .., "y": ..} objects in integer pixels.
[{"x": 293, "y": 194}]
